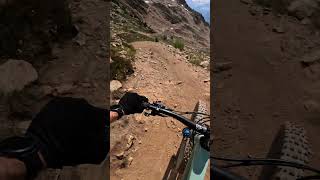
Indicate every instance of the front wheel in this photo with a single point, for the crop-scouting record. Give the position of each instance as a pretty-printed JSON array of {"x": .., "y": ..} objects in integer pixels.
[{"x": 290, "y": 144}]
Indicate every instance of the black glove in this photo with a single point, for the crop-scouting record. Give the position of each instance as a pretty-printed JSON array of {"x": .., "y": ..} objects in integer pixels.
[
  {"x": 132, "y": 103},
  {"x": 71, "y": 132}
]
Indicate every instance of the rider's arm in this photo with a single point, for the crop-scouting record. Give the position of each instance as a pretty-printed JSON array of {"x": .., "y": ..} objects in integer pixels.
[
  {"x": 130, "y": 103},
  {"x": 56, "y": 129},
  {"x": 12, "y": 169}
]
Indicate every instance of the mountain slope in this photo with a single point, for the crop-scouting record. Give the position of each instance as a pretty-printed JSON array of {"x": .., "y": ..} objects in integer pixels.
[{"x": 169, "y": 18}]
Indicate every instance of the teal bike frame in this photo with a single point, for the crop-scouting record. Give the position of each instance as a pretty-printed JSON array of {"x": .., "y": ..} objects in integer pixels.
[{"x": 198, "y": 163}]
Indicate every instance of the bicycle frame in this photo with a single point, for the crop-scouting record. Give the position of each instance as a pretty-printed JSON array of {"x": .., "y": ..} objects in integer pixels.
[{"x": 198, "y": 163}]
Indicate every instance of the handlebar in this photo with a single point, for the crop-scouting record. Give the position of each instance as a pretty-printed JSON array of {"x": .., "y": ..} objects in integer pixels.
[{"x": 159, "y": 109}]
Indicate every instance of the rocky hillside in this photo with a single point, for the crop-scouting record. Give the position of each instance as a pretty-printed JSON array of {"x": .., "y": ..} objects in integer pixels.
[{"x": 167, "y": 19}]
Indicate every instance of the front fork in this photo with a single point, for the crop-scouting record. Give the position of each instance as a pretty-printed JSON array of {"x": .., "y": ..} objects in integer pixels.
[{"x": 198, "y": 162}]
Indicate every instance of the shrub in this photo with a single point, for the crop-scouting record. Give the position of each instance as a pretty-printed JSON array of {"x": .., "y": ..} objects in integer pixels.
[
  {"x": 179, "y": 44},
  {"x": 120, "y": 68}
]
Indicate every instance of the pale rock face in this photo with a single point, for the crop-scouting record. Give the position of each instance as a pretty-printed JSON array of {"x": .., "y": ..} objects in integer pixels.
[{"x": 115, "y": 85}]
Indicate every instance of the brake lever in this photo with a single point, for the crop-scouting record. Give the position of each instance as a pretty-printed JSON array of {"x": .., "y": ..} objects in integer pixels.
[{"x": 154, "y": 112}]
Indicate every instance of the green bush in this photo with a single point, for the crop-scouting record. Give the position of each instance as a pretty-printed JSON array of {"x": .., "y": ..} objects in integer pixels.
[
  {"x": 179, "y": 44},
  {"x": 120, "y": 68}
]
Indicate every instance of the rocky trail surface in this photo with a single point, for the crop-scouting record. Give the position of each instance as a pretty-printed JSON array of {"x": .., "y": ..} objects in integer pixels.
[
  {"x": 274, "y": 78},
  {"x": 44, "y": 64},
  {"x": 141, "y": 147}
]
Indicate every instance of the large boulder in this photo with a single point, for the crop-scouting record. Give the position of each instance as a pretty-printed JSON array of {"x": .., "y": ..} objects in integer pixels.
[{"x": 15, "y": 75}]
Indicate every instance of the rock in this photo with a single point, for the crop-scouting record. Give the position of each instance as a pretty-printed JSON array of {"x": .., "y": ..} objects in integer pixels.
[
  {"x": 145, "y": 129},
  {"x": 278, "y": 29},
  {"x": 115, "y": 85},
  {"x": 15, "y": 75},
  {"x": 206, "y": 80},
  {"x": 80, "y": 39},
  {"x": 205, "y": 64},
  {"x": 311, "y": 57},
  {"x": 130, "y": 159},
  {"x": 223, "y": 66},
  {"x": 120, "y": 156},
  {"x": 64, "y": 89},
  {"x": 130, "y": 141}
]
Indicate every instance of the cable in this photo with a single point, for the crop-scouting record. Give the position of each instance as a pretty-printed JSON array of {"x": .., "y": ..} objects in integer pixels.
[{"x": 250, "y": 162}]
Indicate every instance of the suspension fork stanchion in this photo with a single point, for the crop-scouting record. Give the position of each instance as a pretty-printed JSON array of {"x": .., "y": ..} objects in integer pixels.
[{"x": 198, "y": 162}]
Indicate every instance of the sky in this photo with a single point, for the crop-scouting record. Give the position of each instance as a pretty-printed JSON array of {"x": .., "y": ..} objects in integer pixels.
[{"x": 202, "y": 6}]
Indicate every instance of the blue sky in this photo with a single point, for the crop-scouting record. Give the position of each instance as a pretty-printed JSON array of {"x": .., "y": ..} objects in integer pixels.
[{"x": 202, "y": 6}]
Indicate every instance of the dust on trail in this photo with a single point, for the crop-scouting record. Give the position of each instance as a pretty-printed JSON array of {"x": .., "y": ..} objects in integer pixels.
[{"x": 161, "y": 74}]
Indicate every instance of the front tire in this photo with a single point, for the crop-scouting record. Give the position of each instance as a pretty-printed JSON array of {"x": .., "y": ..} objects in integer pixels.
[{"x": 290, "y": 144}]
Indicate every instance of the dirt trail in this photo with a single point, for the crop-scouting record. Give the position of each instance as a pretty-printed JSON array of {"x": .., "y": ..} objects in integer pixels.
[
  {"x": 161, "y": 73},
  {"x": 267, "y": 87}
]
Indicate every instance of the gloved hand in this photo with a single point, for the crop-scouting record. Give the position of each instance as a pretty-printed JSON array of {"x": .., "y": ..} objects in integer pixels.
[
  {"x": 132, "y": 103},
  {"x": 71, "y": 132}
]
